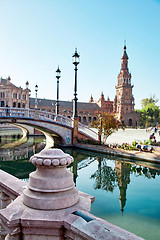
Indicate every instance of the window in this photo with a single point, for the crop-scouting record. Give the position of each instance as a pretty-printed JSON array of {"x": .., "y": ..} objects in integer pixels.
[{"x": 14, "y": 104}]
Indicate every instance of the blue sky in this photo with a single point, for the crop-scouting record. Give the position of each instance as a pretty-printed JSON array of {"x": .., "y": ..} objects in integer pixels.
[{"x": 38, "y": 35}]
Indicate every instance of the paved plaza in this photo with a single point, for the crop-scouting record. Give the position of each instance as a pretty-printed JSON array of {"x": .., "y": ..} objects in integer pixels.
[{"x": 130, "y": 135}]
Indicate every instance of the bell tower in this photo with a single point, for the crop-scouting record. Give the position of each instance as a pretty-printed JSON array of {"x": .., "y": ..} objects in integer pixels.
[{"x": 124, "y": 100}]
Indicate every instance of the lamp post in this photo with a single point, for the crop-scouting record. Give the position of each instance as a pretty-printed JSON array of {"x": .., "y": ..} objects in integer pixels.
[
  {"x": 75, "y": 58},
  {"x": 58, "y": 75},
  {"x": 100, "y": 129},
  {"x": 36, "y": 103}
]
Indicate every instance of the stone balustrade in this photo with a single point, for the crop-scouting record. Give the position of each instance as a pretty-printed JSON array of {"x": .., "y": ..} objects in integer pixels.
[
  {"x": 50, "y": 206},
  {"x": 10, "y": 188}
]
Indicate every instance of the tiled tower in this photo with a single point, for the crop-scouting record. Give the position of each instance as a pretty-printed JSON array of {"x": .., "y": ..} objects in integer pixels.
[{"x": 123, "y": 104}]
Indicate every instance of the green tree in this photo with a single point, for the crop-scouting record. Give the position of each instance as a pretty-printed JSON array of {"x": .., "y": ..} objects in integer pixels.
[
  {"x": 149, "y": 102},
  {"x": 150, "y": 112},
  {"x": 106, "y": 124}
]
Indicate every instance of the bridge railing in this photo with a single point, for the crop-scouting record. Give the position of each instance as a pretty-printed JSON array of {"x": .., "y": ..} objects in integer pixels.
[
  {"x": 88, "y": 131},
  {"x": 54, "y": 118},
  {"x": 10, "y": 188},
  {"x": 46, "y": 116},
  {"x": 35, "y": 114}
]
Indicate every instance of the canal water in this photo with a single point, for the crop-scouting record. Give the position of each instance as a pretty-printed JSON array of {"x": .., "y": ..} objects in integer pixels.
[{"x": 127, "y": 192}]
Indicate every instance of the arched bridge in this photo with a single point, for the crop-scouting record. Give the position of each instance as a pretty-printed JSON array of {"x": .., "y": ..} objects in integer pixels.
[{"x": 46, "y": 121}]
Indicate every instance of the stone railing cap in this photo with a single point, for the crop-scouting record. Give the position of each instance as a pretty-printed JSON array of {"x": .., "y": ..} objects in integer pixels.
[{"x": 51, "y": 157}]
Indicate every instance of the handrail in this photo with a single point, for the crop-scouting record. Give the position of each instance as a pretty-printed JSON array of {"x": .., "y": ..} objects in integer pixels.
[
  {"x": 46, "y": 116},
  {"x": 88, "y": 131}
]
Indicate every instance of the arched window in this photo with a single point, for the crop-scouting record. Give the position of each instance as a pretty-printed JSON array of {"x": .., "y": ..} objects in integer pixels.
[
  {"x": 94, "y": 118},
  {"x": 130, "y": 122},
  {"x": 23, "y": 105},
  {"x": 14, "y": 104},
  {"x": 84, "y": 120},
  {"x": 79, "y": 118},
  {"x": 19, "y": 105},
  {"x": 2, "y": 103}
]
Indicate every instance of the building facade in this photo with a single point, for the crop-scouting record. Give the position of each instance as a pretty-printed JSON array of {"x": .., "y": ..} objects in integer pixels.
[
  {"x": 87, "y": 112},
  {"x": 13, "y": 96},
  {"x": 105, "y": 105}
]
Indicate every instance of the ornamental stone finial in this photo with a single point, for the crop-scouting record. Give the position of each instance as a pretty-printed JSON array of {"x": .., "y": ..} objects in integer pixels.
[
  {"x": 51, "y": 186},
  {"x": 51, "y": 157}
]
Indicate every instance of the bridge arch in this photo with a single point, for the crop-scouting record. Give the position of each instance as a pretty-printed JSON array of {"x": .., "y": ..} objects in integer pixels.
[{"x": 47, "y": 121}]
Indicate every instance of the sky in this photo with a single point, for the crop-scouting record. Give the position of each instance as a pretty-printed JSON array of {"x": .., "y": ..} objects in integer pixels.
[{"x": 38, "y": 35}]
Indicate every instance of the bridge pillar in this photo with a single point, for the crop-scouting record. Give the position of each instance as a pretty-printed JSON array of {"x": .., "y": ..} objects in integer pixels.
[{"x": 75, "y": 130}]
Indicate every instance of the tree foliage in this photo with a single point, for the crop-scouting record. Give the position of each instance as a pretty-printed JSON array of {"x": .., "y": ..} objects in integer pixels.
[
  {"x": 150, "y": 112},
  {"x": 106, "y": 124},
  {"x": 149, "y": 102}
]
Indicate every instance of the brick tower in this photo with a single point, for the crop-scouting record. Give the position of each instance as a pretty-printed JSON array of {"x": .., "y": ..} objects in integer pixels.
[{"x": 123, "y": 105}]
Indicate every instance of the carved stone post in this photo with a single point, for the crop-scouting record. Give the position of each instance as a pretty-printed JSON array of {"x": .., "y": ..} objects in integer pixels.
[
  {"x": 48, "y": 202},
  {"x": 51, "y": 186}
]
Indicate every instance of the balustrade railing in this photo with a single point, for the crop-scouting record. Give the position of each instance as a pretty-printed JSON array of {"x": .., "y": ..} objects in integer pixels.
[
  {"x": 88, "y": 131},
  {"x": 10, "y": 188},
  {"x": 34, "y": 114}
]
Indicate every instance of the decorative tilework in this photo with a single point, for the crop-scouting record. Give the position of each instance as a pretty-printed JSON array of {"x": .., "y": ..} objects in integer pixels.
[{"x": 64, "y": 132}]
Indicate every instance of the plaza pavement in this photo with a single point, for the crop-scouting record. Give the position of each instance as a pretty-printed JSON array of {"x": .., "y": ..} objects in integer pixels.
[
  {"x": 127, "y": 136},
  {"x": 130, "y": 135}
]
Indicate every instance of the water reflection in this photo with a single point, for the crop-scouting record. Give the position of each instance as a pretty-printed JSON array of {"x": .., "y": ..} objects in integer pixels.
[
  {"x": 112, "y": 173},
  {"x": 31, "y": 146},
  {"x": 105, "y": 176},
  {"x": 121, "y": 186},
  {"x": 5, "y": 139},
  {"x": 123, "y": 170}
]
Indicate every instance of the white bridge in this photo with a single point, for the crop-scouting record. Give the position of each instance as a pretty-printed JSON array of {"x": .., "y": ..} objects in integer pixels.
[{"x": 46, "y": 121}]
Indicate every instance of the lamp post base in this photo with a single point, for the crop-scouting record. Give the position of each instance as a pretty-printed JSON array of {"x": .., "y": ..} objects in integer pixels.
[{"x": 75, "y": 130}]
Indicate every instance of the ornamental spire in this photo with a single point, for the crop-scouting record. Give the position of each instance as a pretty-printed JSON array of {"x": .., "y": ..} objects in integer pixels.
[{"x": 124, "y": 58}]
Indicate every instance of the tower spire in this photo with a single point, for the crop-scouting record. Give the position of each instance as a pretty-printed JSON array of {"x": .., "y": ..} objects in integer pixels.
[{"x": 124, "y": 58}]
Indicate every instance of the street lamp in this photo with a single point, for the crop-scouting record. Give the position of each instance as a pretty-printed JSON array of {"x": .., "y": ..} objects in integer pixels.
[
  {"x": 58, "y": 75},
  {"x": 75, "y": 59},
  {"x": 36, "y": 103},
  {"x": 100, "y": 129}
]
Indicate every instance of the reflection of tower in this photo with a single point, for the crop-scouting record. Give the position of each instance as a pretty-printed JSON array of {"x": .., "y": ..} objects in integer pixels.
[
  {"x": 99, "y": 159},
  {"x": 123, "y": 178}
]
